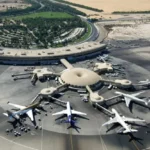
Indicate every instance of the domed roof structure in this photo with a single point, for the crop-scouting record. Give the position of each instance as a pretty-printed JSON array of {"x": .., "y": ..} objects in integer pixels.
[{"x": 80, "y": 77}]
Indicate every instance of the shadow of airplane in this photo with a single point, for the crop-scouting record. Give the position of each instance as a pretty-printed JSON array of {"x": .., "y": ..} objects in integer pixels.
[{"x": 131, "y": 136}]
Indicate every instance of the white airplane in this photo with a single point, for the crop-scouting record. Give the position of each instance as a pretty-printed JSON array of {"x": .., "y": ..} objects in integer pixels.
[
  {"x": 146, "y": 82},
  {"x": 23, "y": 110},
  {"x": 132, "y": 97},
  {"x": 122, "y": 121},
  {"x": 70, "y": 114},
  {"x": 103, "y": 57}
]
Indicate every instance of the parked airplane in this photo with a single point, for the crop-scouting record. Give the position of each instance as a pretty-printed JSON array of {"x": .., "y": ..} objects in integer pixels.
[
  {"x": 122, "y": 121},
  {"x": 24, "y": 110},
  {"x": 132, "y": 97},
  {"x": 70, "y": 114},
  {"x": 145, "y": 83},
  {"x": 103, "y": 58},
  {"x": 14, "y": 118}
]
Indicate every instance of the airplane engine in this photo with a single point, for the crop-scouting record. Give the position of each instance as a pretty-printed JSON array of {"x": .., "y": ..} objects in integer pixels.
[
  {"x": 37, "y": 111},
  {"x": 17, "y": 116},
  {"x": 42, "y": 78}
]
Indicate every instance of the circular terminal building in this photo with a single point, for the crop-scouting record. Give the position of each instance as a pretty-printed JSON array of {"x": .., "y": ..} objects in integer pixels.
[{"x": 80, "y": 77}]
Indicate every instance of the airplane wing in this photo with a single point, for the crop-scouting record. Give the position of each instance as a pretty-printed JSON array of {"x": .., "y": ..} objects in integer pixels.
[
  {"x": 127, "y": 101},
  {"x": 144, "y": 82},
  {"x": 60, "y": 113},
  {"x": 17, "y": 106},
  {"x": 136, "y": 94},
  {"x": 5, "y": 114},
  {"x": 30, "y": 114},
  {"x": 132, "y": 119},
  {"x": 111, "y": 121},
  {"x": 77, "y": 112}
]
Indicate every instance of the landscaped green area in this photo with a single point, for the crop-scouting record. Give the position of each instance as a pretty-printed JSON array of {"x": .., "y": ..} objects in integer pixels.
[
  {"x": 44, "y": 15},
  {"x": 85, "y": 36},
  {"x": 43, "y": 25},
  {"x": 39, "y": 32}
]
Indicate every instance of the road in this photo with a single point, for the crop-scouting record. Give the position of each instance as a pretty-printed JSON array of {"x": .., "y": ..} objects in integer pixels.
[{"x": 94, "y": 34}]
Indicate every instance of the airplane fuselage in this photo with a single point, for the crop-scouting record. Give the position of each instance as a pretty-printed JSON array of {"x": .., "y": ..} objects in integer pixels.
[
  {"x": 68, "y": 112},
  {"x": 23, "y": 111},
  {"x": 119, "y": 120},
  {"x": 133, "y": 98}
]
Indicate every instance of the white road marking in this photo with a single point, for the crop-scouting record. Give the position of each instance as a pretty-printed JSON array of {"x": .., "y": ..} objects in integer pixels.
[
  {"x": 42, "y": 135},
  {"x": 104, "y": 147},
  {"x": 102, "y": 141}
]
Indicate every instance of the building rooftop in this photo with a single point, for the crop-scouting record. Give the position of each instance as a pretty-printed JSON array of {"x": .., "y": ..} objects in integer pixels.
[
  {"x": 80, "y": 77},
  {"x": 51, "y": 52}
]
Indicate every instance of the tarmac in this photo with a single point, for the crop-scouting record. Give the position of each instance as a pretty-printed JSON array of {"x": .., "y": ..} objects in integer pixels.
[
  {"x": 55, "y": 135},
  {"x": 139, "y": 56}
]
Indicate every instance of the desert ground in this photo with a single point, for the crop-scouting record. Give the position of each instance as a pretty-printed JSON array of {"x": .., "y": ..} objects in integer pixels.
[
  {"x": 129, "y": 40},
  {"x": 131, "y": 34},
  {"x": 6, "y": 4},
  {"x": 116, "y": 5},
  {"x": 108, "y": 15},
  {"x": 98, "y": 15}
]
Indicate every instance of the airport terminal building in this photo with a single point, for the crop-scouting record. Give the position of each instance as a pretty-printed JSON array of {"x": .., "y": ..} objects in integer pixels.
[{"x": 51, "y": 56}]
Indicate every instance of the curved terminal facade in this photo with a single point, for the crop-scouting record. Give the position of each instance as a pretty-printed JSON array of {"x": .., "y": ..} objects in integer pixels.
[{"x": 50, "y": 56}]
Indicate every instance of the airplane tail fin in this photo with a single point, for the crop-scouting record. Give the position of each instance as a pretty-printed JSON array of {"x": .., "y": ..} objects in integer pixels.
[
  {"x": 125, "y": 131},
  {"x": 8, "y": 113}
]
